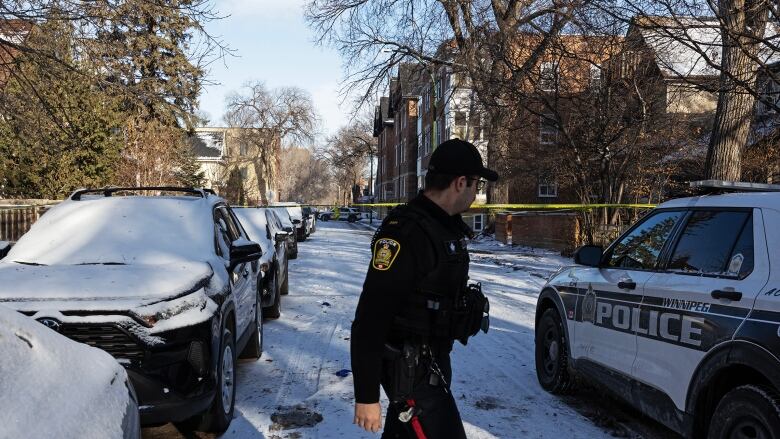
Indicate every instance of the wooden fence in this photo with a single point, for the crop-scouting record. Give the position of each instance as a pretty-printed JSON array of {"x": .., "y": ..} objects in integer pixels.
[{"x": 15, "y": 221}]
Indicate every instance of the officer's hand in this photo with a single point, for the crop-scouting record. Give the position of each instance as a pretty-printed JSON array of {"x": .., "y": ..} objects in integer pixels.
[{"x": 368, "y": 416}]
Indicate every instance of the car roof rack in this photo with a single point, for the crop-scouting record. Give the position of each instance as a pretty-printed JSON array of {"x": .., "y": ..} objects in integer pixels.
[
  {"x": 109, "y": 191},
  {"x": 711, "y": 186}
]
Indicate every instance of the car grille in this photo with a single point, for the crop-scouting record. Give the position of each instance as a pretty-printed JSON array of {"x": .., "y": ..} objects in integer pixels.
[{"x": 106, "y": 337}]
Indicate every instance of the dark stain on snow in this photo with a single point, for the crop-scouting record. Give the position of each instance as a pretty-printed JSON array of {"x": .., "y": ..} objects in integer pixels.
[
  {"x": 299, "y": 416},
  {"x": 488, "y": 403}
]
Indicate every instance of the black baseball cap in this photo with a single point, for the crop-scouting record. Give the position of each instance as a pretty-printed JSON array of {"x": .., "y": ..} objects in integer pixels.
[{"x": 458, "y": 157}]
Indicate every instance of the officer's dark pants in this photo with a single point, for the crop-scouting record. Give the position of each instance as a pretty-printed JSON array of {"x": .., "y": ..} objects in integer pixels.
[{"x": 439, "y": 416}]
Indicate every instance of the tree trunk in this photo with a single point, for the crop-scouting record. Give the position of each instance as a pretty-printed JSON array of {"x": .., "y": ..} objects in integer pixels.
[
  {"x": 498, "y": 144},
  {"x": 744, "y": 23}
]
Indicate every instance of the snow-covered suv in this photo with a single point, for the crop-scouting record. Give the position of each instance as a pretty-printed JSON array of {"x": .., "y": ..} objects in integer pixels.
[
  {"x": 165, "y": 284},
  {"x": 680, "y": 317}
]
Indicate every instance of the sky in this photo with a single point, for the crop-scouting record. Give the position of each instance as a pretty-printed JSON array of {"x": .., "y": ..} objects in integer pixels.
[{"x": 273, "y": 44}]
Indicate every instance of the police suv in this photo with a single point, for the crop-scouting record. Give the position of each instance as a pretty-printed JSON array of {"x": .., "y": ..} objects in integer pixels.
[{"x": 680, "y": 316}]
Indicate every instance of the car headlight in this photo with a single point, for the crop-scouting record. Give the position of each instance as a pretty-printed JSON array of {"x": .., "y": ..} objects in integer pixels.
[{"x": 187, "y": 310}]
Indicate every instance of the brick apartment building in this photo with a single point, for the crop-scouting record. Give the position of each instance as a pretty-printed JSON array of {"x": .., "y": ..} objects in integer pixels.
[{"x": 423, "y": 109}]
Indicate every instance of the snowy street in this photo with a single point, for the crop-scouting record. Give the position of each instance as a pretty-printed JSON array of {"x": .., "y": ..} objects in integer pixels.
[{"x": 284, "y": 393}]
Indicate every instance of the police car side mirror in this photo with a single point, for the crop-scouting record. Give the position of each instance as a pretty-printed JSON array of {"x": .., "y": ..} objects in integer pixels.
[{"x": 589, "y": 255}]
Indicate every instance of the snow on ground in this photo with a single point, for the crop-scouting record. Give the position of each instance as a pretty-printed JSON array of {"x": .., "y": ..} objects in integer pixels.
[{"x": 494, "y": 377}]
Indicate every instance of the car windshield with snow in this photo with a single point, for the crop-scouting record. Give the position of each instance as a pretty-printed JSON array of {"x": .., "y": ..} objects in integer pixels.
[
  {"x": 264, "y": 228},
  {"x": 286, "y": 222},
  {"x": 168, "y": 285},
  {"x": 679, "y": 316},
  {"x": 298, "y": 219}
]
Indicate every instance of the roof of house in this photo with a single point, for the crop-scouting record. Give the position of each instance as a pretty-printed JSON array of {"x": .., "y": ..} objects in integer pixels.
[
  {"x": 208, "y": 144},
  {"x": 679, "y": 43}
]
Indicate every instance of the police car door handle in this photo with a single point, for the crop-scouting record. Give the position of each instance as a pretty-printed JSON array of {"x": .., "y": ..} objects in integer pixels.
[
  {"x": 627, "y": 285},
  {"x": 726, "y": 294}
]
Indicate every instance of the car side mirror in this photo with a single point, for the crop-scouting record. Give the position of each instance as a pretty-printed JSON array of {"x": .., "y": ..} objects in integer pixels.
[
  {"x": 244, "y": 251},
  {"x": 5, "y": 247},
  {"x": 281, "y": 236},
  {"x": 589, "y": 255},
  {"x": 288, "y": 229}
]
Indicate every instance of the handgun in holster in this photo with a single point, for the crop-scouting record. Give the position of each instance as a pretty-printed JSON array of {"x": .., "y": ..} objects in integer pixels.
[{"x": 404, "y": 362}]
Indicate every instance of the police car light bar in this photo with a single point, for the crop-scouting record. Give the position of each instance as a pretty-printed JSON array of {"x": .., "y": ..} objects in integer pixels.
[{"x": 736, "y": 186}]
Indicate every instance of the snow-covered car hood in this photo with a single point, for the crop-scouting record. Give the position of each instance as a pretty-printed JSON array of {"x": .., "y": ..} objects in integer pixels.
[
  {"x": 56, "y": 387},
  {"x": 97, "y": 287}
]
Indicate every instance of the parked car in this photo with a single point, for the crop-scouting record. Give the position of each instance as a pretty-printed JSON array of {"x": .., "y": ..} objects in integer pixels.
[
  {"x": 165, "y": 284},
  {"x": 296, "y": 215},
  {"x": 287, "y": 225},
  {"x": 679, "y": 316},
  {"x": 263, "y": 227},
  {"x": 310, "y": 215},
  {"x": 55, "y": 387},
  {"x": 349, "y": 214}
]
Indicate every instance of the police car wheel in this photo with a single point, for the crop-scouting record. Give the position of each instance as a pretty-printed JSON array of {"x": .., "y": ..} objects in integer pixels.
[
  {"x": 552, "y": 369},
  {"x": 747, "y": 412}
]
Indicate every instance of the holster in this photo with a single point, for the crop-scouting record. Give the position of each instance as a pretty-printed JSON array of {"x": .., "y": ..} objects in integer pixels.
[{"x": 403, "y": 368}]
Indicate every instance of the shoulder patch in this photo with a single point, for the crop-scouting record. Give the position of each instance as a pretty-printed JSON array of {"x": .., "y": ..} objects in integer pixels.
[{"x": 385, "y": 251}]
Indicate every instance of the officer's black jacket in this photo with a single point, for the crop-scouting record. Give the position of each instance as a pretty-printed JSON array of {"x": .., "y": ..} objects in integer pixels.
[{"x": 386, "y": 290}]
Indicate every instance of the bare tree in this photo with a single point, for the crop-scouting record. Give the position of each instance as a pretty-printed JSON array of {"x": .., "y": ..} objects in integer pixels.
[
  {"x": 266, "y": 119},
  {"x": 735, "y": 40},
  {"x": 304, "y": 177},
  {"x": 156, "y": 155},
  {"x": 348, "y": 153},
  {"x": 469, "y": 36}
]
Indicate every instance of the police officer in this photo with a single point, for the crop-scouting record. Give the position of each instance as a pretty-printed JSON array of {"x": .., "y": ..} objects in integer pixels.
[{"x": 415, "y": 303}]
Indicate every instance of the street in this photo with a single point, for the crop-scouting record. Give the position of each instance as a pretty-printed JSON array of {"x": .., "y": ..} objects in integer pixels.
[{"x": 294, "y": 391}]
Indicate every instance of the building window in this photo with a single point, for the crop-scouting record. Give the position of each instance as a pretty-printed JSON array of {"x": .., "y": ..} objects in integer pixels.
[
  {"x": 244, "y": 173},
  {"x": 770, "y": 98},
  {"x": 403, "y": 187},
  {"x": 478, "y": 134},
  {"x": 460, "y": 118},
  {"x": 595, "y": 77},
  {"x": 242, "y": 150},
  {"x": 403, "y": 151},
  {"x": 548, "y": 129},
  {"x": 548, "y": 76},
  {"x": 548, "y": 189},
  {"x": 479, "y": 222}
]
